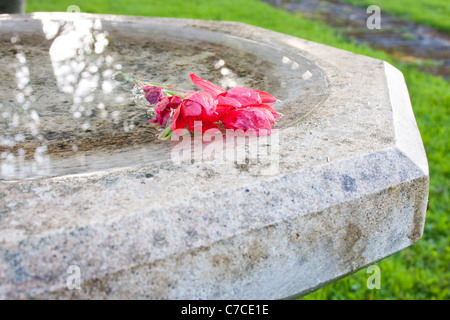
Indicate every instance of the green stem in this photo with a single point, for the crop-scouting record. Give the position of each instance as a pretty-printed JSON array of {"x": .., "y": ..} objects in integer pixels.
[
  {"x": 154, "y": 84},
  {"x": 181, "y": 94},
  {"x": 166, "y": 133},
  {"x": 134, "y": 80}
]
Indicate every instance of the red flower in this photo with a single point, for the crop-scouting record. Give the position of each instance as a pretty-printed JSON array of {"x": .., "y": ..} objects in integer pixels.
[
  {"x": 241, "y": 108},
  {"x": 253, "y": 117},
  {"x": 165, "y": 108},
  {"x": 237, "y": 108},
  {"x": 266, "y": 97},
  {"x": 243, "y": 95},
  {"x": 153, "y": 94},
  {"x": 206, "y": 86},
  {"x": 198, "y": 106}
]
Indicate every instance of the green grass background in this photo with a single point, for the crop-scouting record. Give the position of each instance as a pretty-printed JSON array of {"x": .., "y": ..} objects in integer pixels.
[{"x": 420, "y": 271}]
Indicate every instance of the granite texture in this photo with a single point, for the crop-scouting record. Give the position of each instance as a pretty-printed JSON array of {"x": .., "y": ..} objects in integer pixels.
[{"x": 350, "y": 187}]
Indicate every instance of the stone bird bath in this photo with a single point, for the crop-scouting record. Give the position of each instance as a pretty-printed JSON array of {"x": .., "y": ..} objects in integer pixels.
[{"x": 92, "y": 206}]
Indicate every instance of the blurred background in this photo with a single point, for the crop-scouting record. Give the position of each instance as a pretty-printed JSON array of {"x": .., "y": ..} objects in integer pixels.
[{"x": 414, "y": 36}]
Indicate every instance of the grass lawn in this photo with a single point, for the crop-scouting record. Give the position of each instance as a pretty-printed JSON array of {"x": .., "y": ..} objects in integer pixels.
[{"x": 419, "y": 272}]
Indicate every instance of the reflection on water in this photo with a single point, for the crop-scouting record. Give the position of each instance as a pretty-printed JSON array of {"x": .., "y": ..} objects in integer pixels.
[
  {"x": 63, "y": 111},
  {"x": 75, "y": 51}
]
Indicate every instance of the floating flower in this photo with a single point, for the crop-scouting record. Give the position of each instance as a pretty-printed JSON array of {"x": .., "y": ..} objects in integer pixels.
[
  {"x": 153, "y": 94},
  {"x": 243, "y": 95},
  {"x": 165, "y": 108},
  {"x": 252, "y": 117},
  {"x": 236, "y": 108},
  {"x": 198, "y": 106}
]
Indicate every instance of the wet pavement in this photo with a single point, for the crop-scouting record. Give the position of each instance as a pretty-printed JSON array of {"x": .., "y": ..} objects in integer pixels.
[{"x": 406, "y": 41}]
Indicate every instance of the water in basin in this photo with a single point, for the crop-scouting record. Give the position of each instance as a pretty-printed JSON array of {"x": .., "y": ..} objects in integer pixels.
[{"x": 64, "y": 110}]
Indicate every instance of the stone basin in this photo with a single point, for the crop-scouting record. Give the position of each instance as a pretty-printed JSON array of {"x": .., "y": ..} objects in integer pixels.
[
  {"x": 86, "y": 184},
  {"x": 65, "y": 110}
]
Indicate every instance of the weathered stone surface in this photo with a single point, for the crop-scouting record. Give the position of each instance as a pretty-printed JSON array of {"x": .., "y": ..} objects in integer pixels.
[{"x": 350, "y": 188}]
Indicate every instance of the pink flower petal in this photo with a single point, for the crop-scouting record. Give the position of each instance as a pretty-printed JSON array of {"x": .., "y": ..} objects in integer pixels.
[
  {"x": 249, "y": 119},
  {"x": 178, "y": 121},
  {"x": 153, "y": 94},
  {"x": 206, "y": 86},
  {"x": 244, "y": 96},
  {"x": 174, "y": 102},
  {"x": 226, "y": 101},
  {"x": 266, "y": 97},
  {"x": 162, "y": 104},
  {"x": 205, "y": 100},
  {"x": 191, "y": 108},
  {"x": 265, "y": 106}
]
